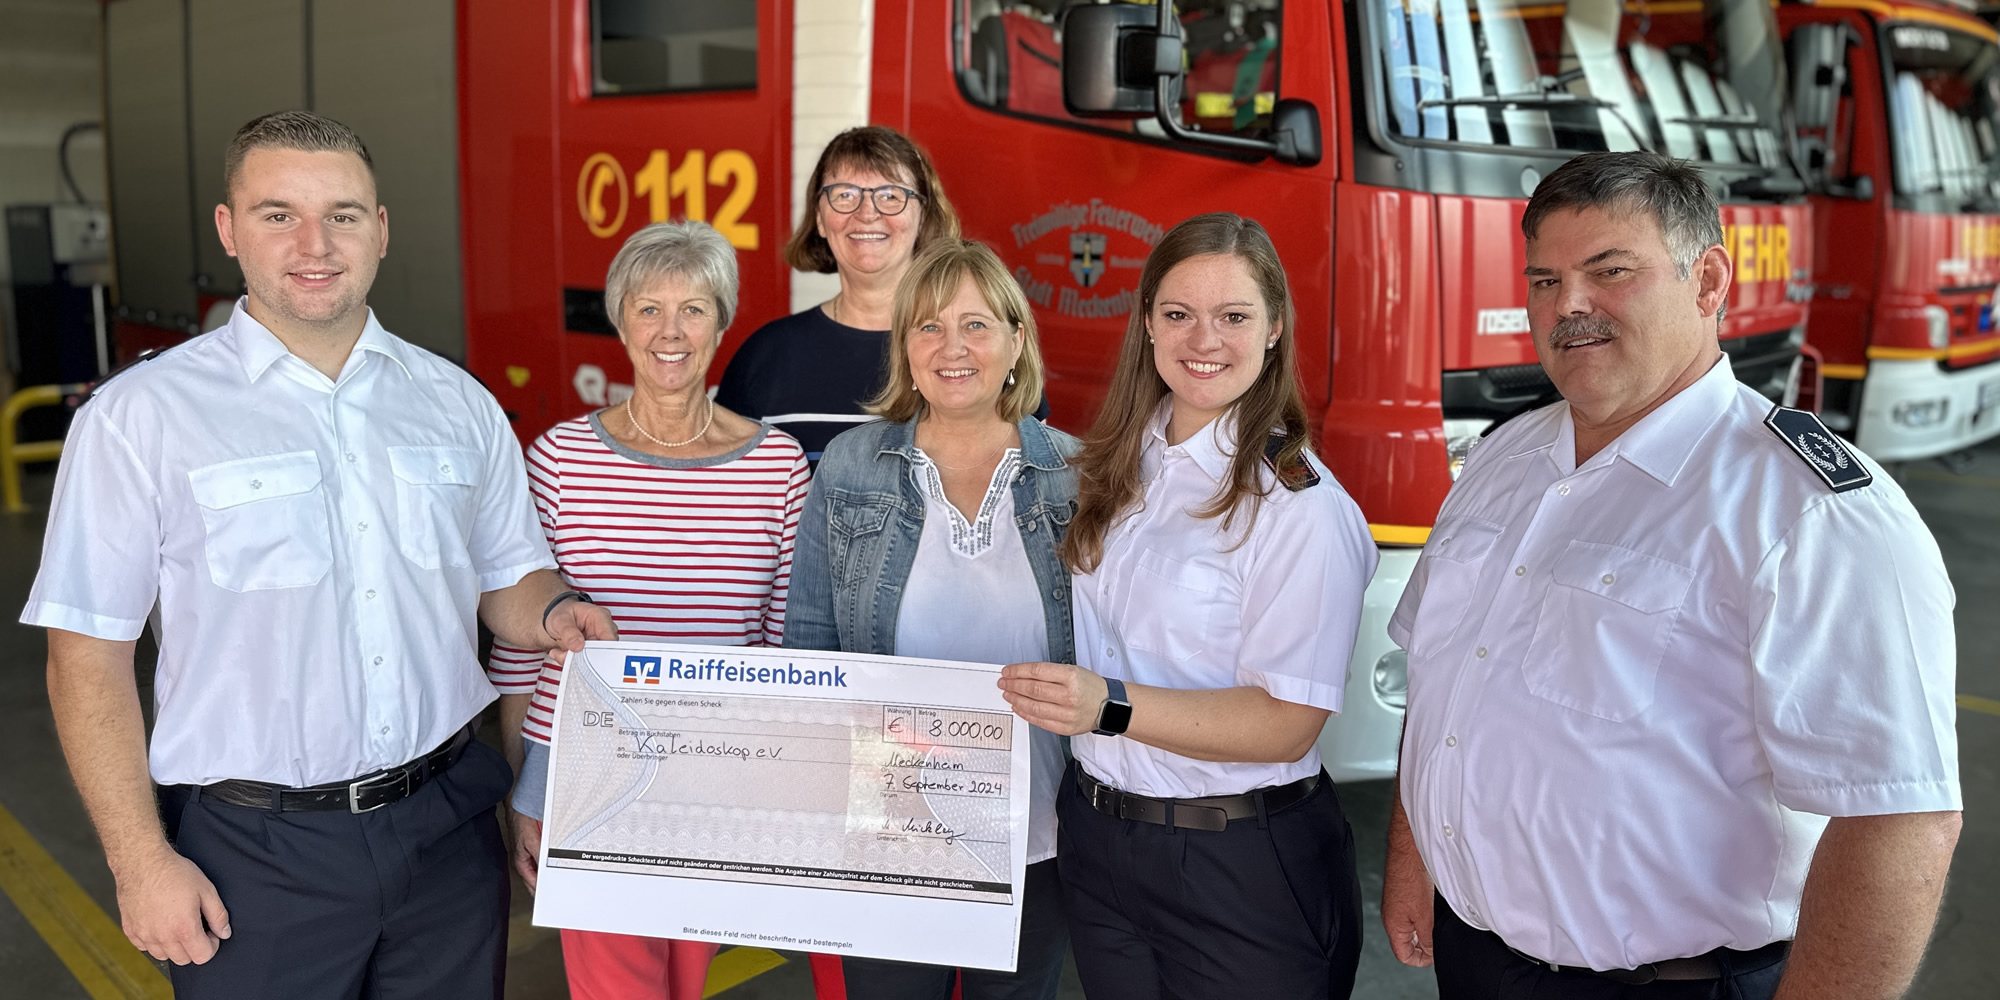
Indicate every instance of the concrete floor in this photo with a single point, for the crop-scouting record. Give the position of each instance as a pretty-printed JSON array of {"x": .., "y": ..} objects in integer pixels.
[{"x": 1963, "y": 511}]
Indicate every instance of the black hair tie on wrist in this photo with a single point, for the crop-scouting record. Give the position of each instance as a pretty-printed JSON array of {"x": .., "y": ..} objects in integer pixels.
[{"x": 564, "y": 596}]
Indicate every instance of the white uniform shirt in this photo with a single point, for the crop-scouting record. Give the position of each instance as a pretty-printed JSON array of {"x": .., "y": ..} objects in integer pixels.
[
  {"x": 317, "y": 548},
  {"x": 1632, "y": 683},
  {"x": 971, "y": 595},
  {"x": 1179, "y": 603}
]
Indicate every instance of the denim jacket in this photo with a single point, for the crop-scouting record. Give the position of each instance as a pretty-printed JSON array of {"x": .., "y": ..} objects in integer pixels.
[{"x": 865, "y": 513}]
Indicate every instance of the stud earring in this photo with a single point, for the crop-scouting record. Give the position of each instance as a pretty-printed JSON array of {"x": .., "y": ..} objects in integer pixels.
[{"x": 1272, "y": 346}]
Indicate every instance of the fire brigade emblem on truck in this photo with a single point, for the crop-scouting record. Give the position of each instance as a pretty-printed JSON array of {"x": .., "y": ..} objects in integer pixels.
[
  {"x": 1086, "y": 257},
  {"x": 1117, "y": 242},
  {"x": 1824, "y": 454}
]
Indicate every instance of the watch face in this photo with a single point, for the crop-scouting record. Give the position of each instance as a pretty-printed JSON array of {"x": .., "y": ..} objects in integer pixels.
[{"x": 1114, "y": 718}]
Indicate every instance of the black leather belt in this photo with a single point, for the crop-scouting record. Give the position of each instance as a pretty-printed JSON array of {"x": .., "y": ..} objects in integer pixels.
[
  {"x": 1707, "y": 966},
  {"x": 1211, "y": 814},
  {"x": 363, "y": 794}
]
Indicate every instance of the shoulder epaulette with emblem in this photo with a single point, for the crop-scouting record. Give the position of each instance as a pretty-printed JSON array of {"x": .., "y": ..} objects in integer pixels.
[
  {"x": 1822, "y": 451},
  {"x": 141, "y": 358},
  {"x": 1296, "y": 477}
]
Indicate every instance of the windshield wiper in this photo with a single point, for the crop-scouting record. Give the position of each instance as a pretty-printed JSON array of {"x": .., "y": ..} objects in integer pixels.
[
  {"x": 1514, "y": 102},
  {"x": 1769, "y": 184},
  {"x": 1747, "y": 123},
  {"x": 1775, "y": 186}
]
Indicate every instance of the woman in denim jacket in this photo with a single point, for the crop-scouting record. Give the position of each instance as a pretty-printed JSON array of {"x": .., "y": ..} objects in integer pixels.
[{"x": 932, "y": 533}]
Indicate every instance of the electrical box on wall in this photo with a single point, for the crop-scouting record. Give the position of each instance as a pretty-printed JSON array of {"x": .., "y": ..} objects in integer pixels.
[{"x": 61, "y": 264}]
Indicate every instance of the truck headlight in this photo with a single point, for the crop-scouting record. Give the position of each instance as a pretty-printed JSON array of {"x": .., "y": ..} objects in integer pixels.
[
  {"x": 1392, "y": 678},
  {"x": 1460, "y": 434},
  {"x": 1939, "y": 323},
  {"x": 1919, "y": 413}
]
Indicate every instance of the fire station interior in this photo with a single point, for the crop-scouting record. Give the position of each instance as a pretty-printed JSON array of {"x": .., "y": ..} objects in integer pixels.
[{"x": 75, "y": 296}]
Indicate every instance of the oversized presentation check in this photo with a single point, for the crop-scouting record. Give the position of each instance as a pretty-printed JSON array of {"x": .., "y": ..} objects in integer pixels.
[{"x": 832, "y": 802}]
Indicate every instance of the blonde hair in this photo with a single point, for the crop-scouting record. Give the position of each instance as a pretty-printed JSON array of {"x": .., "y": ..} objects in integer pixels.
[
  {"x": 1108, "y": 466},
  {"x": 930, "y": 284}
]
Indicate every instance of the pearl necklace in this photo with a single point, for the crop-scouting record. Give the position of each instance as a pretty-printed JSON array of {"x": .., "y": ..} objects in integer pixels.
[{"x": 698, "y": 435}]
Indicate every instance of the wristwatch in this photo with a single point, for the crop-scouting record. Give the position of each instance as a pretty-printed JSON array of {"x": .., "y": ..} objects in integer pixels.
[{"x": 1115, "y": 715}]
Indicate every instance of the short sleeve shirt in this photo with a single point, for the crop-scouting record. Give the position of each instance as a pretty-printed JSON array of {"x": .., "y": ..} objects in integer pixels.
[
  {"x": 1638, "y": 685},
  {"x": 1183, "y": 601},
  {"x": 316, "y": 548}
]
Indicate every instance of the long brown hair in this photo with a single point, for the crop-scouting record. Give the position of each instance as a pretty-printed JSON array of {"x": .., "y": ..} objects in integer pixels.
[
  {"x": 889, "y": 153},
  {"x": 1108, "y": 466}
]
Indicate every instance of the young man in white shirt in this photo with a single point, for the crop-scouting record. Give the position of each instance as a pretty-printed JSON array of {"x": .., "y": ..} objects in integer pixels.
[
  {"x": 312, "y": 512},
  {"x": 1681, "y": 664}
]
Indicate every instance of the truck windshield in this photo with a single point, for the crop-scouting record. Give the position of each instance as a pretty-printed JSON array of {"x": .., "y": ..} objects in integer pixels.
[
  {"x": 1701, "y": 80},
  {"x": 1944, "y": 101}
]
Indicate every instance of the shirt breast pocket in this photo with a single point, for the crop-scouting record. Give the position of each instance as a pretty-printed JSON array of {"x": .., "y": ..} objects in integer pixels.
[
  {"x": 1169, "y": 607},
  {"x": 435, "y": 489},
  {"x": 1604, "y": 628},
  {"x": 265, "y": 521},
  {"x": 854, "y": 539},
  {"x": 1454, "y": 556}
]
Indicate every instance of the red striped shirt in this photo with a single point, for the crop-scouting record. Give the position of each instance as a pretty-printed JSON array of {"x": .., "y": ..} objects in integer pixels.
[{"x": 693, "y": 553}]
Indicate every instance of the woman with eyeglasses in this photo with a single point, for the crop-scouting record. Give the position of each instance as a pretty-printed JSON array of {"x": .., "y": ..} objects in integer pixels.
[{"x": 876, "y": 202}]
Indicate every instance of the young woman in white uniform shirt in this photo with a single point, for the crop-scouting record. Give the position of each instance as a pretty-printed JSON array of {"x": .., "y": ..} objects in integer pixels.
[{"x": 1218, "y": 573}]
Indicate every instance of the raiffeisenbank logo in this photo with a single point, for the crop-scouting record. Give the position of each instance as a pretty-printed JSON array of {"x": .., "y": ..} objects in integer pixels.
[{"x": 642, "y": 669}]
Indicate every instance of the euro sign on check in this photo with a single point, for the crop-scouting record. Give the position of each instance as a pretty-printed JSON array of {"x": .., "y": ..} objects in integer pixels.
[{"x": 831, "y": 802}]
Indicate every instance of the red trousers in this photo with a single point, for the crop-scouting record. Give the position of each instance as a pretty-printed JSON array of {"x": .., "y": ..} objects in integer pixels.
[{"x": 628, "y": 967}]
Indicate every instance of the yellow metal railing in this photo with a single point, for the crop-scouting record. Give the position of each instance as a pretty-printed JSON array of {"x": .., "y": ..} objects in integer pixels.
[{"x": 13, "y": 453}]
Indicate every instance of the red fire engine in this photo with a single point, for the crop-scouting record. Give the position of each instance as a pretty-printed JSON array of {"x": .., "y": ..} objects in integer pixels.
[
  {"x": 1389, "y": 146},
  {"x": 1899, "y": 111}
]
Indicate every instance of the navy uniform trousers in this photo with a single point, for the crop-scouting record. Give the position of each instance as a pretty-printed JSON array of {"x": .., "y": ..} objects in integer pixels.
[
  {"x": 1269, "y": 907},
  {"x": 1038, "y": 958},
  {"x": 409, "y": 900},
  {"x": 1477, "y": 965}
]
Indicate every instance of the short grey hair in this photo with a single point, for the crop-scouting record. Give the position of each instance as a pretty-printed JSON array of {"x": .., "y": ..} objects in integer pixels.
[
  {"x": 693, "y": 250},
  {"x": 299, "y": 130},
  {"x": 1671, "y": 191}
]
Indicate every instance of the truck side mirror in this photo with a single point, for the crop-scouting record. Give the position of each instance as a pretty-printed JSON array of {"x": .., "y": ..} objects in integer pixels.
[
  {"x": 1818, "y": 57},
  {"x": 1108, "y": 67},
  {"x": 1861, "y": 187},
  {"x": 1295, "y": 131},
  {"x": 1124, "y": 60},
  {"x": 1819, "y": 73}
]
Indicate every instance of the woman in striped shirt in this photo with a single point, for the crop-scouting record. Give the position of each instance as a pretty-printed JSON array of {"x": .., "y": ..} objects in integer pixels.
[{"x": 674, "y": 514}]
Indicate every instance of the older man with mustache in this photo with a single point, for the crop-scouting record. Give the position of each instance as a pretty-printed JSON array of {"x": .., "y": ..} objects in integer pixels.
[{"x": 1681, "y": 663}]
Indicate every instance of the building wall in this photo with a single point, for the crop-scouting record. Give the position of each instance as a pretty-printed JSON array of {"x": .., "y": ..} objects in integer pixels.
[
  {"x": 833, "y": 42},
  {"x": 50, "y": 78},
  {"x": 185, "y": 74}
]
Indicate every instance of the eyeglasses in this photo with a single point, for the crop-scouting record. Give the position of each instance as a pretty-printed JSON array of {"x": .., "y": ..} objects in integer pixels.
[{"x": 890, "y": 199}]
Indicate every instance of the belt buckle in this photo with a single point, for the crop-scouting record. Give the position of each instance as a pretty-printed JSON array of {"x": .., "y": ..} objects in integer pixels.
[
  {"x": 399, "y": 778},
  {"x": 1104, "y": 799}
]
